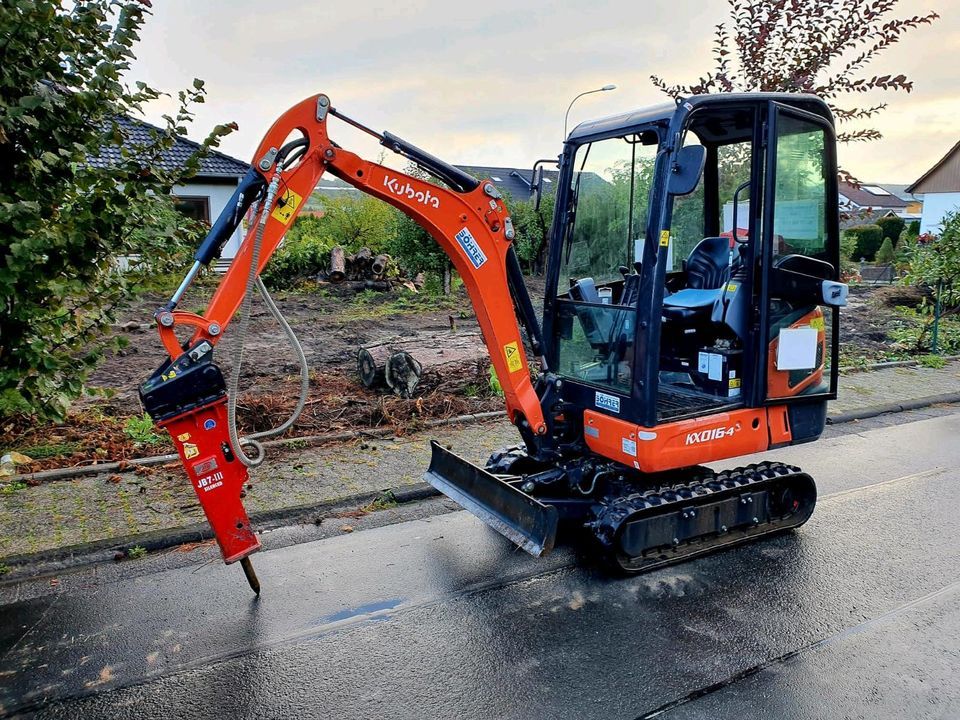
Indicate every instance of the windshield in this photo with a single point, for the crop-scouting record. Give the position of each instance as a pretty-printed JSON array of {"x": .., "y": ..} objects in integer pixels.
[{"x": 610, "y": 190}]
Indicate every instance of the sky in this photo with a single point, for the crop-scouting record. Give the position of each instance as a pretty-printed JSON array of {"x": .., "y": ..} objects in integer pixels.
[{"x": 489, "y": 83}]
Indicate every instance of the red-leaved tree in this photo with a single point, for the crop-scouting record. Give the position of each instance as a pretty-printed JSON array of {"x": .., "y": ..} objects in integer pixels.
[{"x": 811, "y": 46}]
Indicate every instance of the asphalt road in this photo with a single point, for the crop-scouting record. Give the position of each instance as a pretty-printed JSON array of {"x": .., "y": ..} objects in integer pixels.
[{"x": 856, "y": 614}]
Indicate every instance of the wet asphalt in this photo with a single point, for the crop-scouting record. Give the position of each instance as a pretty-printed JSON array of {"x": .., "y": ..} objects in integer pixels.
[{"x": 856, "y": 614}]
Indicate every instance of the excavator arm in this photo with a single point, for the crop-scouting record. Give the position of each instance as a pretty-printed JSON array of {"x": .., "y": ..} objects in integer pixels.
[{"x": 468, "y": 219}]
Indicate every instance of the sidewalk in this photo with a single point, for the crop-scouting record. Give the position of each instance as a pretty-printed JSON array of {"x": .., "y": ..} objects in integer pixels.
[{"x": 294, "y": 481}]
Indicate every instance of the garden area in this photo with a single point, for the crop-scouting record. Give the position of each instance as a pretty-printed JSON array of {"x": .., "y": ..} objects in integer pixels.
[{"x": 333, "y": 320}]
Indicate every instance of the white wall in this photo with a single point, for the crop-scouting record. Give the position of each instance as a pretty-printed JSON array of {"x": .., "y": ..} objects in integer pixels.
[
  {"x": 935, "y": 206},
  {"x": 218, "y": 193}
]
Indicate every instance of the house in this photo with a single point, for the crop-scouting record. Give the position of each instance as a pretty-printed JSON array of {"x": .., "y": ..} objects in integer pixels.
[
  {"x": 206, "y": 193},
  {"x": 869, "y": 197},
  {"x": 940, "y": 188}
]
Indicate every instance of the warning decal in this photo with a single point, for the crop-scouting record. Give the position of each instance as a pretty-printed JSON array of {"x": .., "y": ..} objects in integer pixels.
[
  {"x": 664, "y": 238},
  {"x": 286, "y": 206},
  {"x": 190, "y": 450},
  {"x": 512, "y": 353}
]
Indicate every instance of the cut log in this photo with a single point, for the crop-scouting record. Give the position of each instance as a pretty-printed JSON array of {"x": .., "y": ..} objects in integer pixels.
[
  {"x": 338, "y": 264},
  {"x": 421, "y": 362},
  {"x": 379, "y": 265},
  {"x": 402, "y": 373},
  {"x": 371, "y": 364}
]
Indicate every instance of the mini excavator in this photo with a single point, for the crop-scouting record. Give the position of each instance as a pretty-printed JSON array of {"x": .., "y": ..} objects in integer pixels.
[{"x": 691, "y": 315}]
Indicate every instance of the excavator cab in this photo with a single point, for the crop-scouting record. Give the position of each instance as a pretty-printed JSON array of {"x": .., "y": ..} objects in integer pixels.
[{"x": 694, "y": 262}]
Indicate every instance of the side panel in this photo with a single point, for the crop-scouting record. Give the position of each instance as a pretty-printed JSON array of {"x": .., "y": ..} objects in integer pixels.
[{"x": 686, "y": 442}]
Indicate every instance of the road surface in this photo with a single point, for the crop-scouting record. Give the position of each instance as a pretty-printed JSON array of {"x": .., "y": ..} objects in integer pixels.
[{"x": 856, "y": 614}]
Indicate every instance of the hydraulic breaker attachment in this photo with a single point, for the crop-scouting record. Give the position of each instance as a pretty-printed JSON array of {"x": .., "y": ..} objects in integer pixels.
[
  {"x": 203, "y": 443},
  {"x": 507, "y": 509},
  {"x": 188, "y": 399}
]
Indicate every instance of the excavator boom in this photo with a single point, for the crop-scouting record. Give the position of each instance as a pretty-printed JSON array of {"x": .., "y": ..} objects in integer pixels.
[{"x": 469, "y": 221}]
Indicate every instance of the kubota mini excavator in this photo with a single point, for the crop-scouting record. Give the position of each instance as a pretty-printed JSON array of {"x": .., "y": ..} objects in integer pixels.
[{"x": 691, "y": 315}]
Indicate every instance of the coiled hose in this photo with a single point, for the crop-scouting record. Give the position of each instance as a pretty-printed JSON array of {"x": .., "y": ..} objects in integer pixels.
[{"x": 254, "y": 281}]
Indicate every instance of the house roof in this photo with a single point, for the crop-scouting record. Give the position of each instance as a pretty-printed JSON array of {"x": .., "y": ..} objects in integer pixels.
[
  {"x": 942, "y": 177},
  {"x": 515, "y": 182},
  {"x": 139, "y": 133},
  {"x": 862, "y": 217},
  {"x": 900, "y": 191},
  {"x": 870, "y": 195}
]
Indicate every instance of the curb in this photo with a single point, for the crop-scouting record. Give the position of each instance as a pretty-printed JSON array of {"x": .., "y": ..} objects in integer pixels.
[
  {"x": 894, "y": 407},
  {"x": 854, "y": 369},
  {"x": 46, "y": 562}
]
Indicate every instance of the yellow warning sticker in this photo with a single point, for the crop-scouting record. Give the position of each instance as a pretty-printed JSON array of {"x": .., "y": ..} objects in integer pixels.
[
  {"x": 512, "y": 353},
  {"x": 183, "y": 437},
  {"x": 169, "y": 375},
  {"x": 286, "y": 206},
  {"x": 732, "y": 287},
  {"x": 734, "y": 382},
  {"x": 664, "y": 238},
  {"x": 817, "y": 323},
  {"x": 190, "y": 450}
]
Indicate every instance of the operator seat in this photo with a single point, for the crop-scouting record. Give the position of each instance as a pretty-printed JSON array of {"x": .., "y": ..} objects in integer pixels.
[{"x": 707, "y": 271}]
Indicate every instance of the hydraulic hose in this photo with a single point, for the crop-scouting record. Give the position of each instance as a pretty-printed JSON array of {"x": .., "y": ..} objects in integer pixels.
[{"x": 254, "y": 281}]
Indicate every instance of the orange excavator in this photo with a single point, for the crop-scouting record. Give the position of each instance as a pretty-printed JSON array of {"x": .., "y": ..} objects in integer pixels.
[{"x": 691, "y": 315}]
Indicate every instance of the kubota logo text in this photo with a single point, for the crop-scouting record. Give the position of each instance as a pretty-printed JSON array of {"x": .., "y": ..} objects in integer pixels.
[
  {"x": 711, "y": 434},
  {"x": 408, "y": 191}
]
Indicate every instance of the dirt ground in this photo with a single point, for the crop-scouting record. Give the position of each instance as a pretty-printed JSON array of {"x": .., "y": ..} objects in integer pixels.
[{"x": 332, "y": 324}]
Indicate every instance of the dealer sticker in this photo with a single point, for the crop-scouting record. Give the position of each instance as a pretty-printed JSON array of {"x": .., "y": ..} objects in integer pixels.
[
  {"x": 470, "y": 248},
  {"x": 607, "y": 402}
]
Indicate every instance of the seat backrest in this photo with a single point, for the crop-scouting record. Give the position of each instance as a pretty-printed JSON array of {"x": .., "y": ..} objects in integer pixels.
[
  {"x": 585, "y": 290},
  {"x": 708, "y": 266}
]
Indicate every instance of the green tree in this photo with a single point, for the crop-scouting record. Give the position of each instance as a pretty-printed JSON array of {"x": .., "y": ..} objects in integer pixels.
[
  {"x": 936, "y": 261},
  {"x": 64, "y": 220},
  {"x": 816, "y": 46},
  {"x": 892, "y": 226},
  {"x": 886, "y": 254},
  {"x": 532, "y": 230},
  {"x": 412, "y": 246},
  {"x": 869, "y": 238},
  {"x": 356, "y": 222}
]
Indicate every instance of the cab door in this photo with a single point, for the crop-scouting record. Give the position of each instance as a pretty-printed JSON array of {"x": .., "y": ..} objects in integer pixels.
[{"x": 800, "y": 292}]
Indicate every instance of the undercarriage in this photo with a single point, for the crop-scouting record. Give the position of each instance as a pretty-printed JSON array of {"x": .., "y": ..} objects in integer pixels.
[{"x": 637, "y": 521}]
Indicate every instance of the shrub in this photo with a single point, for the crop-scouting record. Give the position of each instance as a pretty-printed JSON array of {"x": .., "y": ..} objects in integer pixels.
[
  {"x": 868, "y": 240},
  {"x": 64, "y": 220},
  {"x": 305, "y": 252},
  {"x": 914, "y": 227},
  {"x": 936, "y": 261},
  {"x": 891, "y": 226},
  {"x": 886, "y": 254}
]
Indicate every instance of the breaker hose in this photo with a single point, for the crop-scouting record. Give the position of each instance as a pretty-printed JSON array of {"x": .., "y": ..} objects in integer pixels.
[{"x": 254, "y": 281}]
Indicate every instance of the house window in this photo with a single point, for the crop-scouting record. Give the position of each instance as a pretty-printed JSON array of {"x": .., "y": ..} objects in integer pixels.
[{"x": 195, "y": 207}]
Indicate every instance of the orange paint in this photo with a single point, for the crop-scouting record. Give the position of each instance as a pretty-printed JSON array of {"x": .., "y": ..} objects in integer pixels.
[
  {"x": 685, "y": 442},
  {"x": 470, "y": 227}
]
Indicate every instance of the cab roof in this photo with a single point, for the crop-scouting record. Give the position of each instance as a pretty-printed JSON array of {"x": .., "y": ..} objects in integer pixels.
[{"x": 665, "y": 112}]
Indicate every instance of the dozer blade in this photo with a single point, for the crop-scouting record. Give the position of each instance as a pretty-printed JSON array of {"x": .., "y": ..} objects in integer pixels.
[{"x": 508, "y": 510}]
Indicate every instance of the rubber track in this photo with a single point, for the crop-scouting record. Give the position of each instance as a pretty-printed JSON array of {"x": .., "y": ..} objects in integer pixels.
[{"x": 752, "y": 478}]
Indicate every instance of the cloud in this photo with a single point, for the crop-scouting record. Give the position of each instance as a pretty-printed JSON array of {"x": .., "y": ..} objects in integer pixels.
[{"x": 489, "y": 83}]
